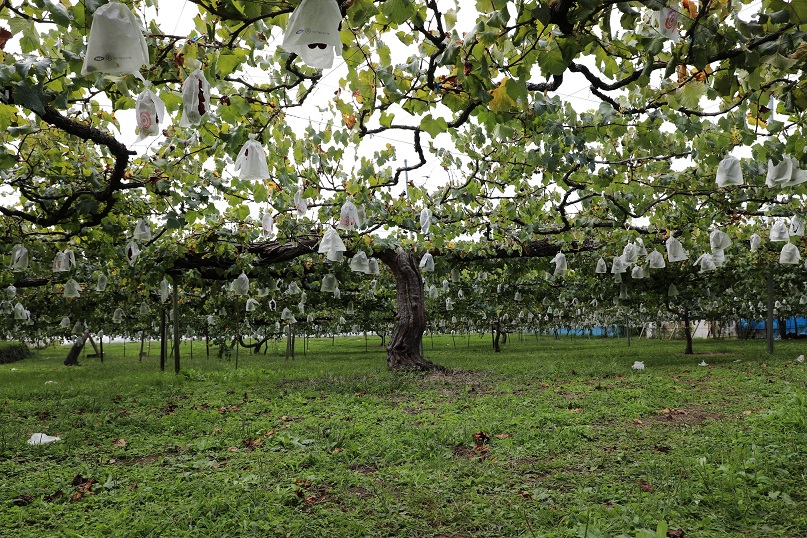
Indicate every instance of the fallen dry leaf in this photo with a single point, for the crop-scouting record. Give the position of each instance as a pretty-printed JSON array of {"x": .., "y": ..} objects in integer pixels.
[
  {"x": 55, "y": 495},
  {"x": 119, "y": 443},
  {"x": 502, "y": 435},
  {"x": 645, "y": 486},
  {"x": 5, "y": 35},
  {"x": 22, "y": 500}
]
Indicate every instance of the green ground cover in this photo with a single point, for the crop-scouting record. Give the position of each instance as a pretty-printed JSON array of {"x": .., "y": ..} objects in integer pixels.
[{"x": 556, "y": 438}]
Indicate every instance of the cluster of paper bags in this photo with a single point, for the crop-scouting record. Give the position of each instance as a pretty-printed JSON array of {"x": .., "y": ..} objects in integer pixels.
[{"x": 117, "y": 46}]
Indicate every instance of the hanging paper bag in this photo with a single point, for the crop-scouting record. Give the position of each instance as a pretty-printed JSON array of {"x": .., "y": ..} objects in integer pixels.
[
  {"x": 719, "y": 240},
  {"x": 11, "y": 291},
  {"x": 797, "y": 226},
  {"x": 372, "y": 264},
  {"x": 667, "y": 19},
  {"x": 19, "y": 258},
  {"x": 618, "y": 266},
  {"x": 349, "y": 216},
  {"x": 672, "y": 291},
  {"x": 313, "y": 33},
  {"x": 78, "y": 328},
  {"x": 293, "y": 289},
  {"x": 675, "y": 250},
  {"x": 65, "y": 323},
  {"x": 332, "y": 245},
  {"x": 267, "y": 225},
  {"x": 59, "y": 263},
  {"x": 637, "y": 272},
  {"x": 656, "y": 260},
  {"x": 72, "y": 290},
  {"x": 69, "y": 259},
  {"x": 785, "y": 173},
  {"x": 329, "y": 283},
  {"x": 251, "y": 161},
  {"x": 755, "y": 240},
  {"x": 629, "y": 254},
  {"x": 779, "y": 173},
  {"x": 790, "y": 254},
  {"x": 241, "y": 284},
  {"x": 779, "y": 232},
  {"x": 640, "y": 248},
  {"x": 602, "y": 267},
  {"x": 165, "y": 290},
  {"x": 142, "y": 232},
  {"x": 150, "y": 114},
  {"x": 252, "y": 304},
  {"x": 729, "y": 172},
  {"x": 102, "y": 282},
  {"x": 117, "y": 316},
  {"x": 116, "y": 44},
  {"x": 20, "y": 312},
  {"x": 718, "y": 257},
  {"x": 195, "y": 99},
  {"x": 455, "y": 274},
  {"x": 425, "y": 220},
  {"x": 427, "y": 263},
  {"x": 706, "y": 262},
  {"x": 132, "y": 253},
  {"x": 300, "y": 203},
  {"x": 560, "y": 264},
  {"x": 360, "y": 263}
]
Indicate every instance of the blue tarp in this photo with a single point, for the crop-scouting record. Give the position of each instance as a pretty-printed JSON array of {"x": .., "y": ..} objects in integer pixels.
[{"x": 793, "y": 325}]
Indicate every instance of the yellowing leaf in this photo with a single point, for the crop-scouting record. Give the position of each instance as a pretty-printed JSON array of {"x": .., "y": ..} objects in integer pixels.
[
  {"x": 501, "y": 102},
  {"x": 349, "y": 119}
]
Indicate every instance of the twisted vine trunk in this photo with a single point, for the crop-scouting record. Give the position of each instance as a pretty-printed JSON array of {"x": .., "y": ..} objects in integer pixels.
[{"x": 403, "y": 351}]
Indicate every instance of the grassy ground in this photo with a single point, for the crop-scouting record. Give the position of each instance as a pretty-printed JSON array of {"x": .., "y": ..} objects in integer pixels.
[{"x": 555, "y": 438}]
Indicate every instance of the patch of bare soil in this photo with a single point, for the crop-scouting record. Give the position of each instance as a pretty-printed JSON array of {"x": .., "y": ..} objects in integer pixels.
[
  {"x": 456, "y": 376},
  {"x": 360, "y": 492},
  {"x": 364, "y": 469},
  {"x": 682, "y": 417}
]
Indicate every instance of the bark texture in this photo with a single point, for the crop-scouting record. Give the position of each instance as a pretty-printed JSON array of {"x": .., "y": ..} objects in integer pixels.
[
  {"x": 403, "y": 351},
  {"x": 72, "y": 355},
  {"x": 687, "y": 333}
]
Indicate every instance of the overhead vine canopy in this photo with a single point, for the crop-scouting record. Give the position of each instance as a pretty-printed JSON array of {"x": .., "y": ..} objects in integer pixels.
[{"x": 460, "y": 109}]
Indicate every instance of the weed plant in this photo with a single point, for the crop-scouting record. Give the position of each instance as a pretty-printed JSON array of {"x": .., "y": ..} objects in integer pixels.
[{"x": 549, "y": 438}]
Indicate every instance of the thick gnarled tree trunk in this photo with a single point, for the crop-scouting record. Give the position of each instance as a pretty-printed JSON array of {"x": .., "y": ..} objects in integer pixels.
[
  {"x": 403, "y": 351},
  {"x": 78, "y": 345}
]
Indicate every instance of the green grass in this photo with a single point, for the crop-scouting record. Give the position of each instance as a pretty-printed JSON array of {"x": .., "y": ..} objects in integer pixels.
[{"x": 332, "y": 444}]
